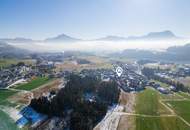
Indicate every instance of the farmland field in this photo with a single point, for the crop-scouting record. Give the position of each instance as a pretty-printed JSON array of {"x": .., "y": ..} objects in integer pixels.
[
  {"x": 160, "y": 123},
  {"x": 172, "y": 96},
  {"x": 7, "y": 62},
  {"x": 184, "y": 95},
  {"x": 181, "y": 108},
  {"x": 147, "y": 102},
  {"x": 33, "y": 84},
  {"x": 4, "y": 94},
  {"x": 6, "y": 123},
  {"x": 157, "y": 116}
]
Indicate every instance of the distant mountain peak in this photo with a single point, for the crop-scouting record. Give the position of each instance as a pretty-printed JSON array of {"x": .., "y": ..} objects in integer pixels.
[
  {"x": 163, "y": 34},
  {"x": 111, "y": 38},
  {"x": 62, "y": 38}
]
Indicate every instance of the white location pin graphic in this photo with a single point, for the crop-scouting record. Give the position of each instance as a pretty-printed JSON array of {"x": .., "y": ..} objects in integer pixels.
[{"x": 119, "y": 71}]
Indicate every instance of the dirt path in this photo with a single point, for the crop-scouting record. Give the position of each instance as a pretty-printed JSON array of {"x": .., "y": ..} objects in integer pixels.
[
  {"x": 171, "y": 110},
  {"x": 187, "y": 123},
  {"x": 112, "y": 118},
  {"x": 127, "y": 100},
  {"x": 142, "y": 115}
]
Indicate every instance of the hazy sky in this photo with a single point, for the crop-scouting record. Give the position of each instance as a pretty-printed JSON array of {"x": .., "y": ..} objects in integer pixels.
[{"x": 88, "y": 19}]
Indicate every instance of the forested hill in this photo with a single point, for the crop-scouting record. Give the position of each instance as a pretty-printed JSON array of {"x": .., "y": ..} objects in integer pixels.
[
  {"x": 8, "y": 51},
  {"x": 174, "y": 54},
  {"x": 84, "y": 101}
]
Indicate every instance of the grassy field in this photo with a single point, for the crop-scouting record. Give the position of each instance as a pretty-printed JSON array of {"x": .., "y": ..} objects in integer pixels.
[
  {"x": 182, "y": 108},
  {"x": 4, "y": 94},
  {"x": 151, "y": 123},
  {"x": 7, "y": 62},
  {"x": 160, "y": 123},
  {"x": 185, "y": 95},
  {"x": 172, "y": 96},
  {"x": 95, "y": 63},
  {"x": 6, "y": 123},
  {"x": 33, "y": 84},
  {"x": 147, "y": 102}
]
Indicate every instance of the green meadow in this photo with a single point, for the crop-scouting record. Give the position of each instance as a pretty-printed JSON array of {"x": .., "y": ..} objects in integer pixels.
[
  {"x": 160, "y": 123},
  {"x": 33, "y": 83},
  {"x": 6, "y": 123},
  {"x": 4, "y": 94},
  {"x": 147, "y": 103},
  {"x": 182, "y": 108}
]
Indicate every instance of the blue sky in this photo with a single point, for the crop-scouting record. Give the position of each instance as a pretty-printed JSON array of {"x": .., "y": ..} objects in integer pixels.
[{"x": 88, "y": 19}]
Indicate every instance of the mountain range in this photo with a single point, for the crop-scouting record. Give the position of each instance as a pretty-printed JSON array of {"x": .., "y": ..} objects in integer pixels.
[
  {"x": 164, "y": 35},
  {"x": 17, "y": 40}
]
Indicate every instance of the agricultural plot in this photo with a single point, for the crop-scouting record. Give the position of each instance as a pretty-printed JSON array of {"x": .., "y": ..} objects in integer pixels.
[
  {"x": 24, "y": 97},
  {"x": 6, "y": 123},
  {"x": 160, "y": 123},
  {"x": 172, "y": 96},
  {"x": 184, "y": 95},
  {"x": 7, "y": 62},
  {"x": 154, "y": 115},
  {"x": 4, "y": 94},
  {"x": 33, "y": 84},
  {"x": 147, "y": 102},
  {"x": 181, "y": 108},
  {"x": 95, "y": 63}
]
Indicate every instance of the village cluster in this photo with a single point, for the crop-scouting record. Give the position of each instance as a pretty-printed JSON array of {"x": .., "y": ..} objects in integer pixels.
[
  {"x": 130, "y": 80},
  {"x": 21, "y": 72},
  {"x": 180, "y": 71}
]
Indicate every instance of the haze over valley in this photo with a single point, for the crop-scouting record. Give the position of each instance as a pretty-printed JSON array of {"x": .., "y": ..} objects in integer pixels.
[{"x": 157, "y": 41}]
